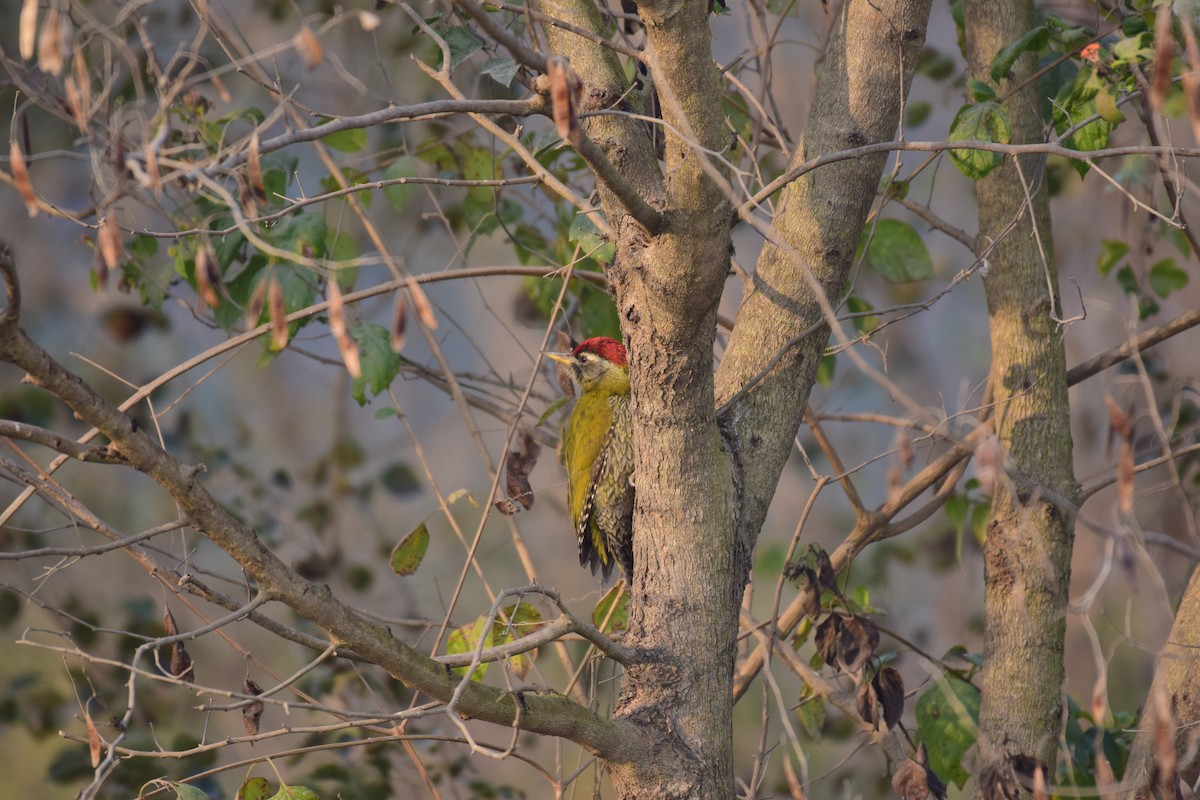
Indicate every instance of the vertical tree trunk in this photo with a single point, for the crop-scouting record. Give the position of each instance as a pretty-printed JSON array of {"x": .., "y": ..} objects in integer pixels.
[
  {"x": 1177, "y": 679},
  {"x": 1027, "y": 555}
]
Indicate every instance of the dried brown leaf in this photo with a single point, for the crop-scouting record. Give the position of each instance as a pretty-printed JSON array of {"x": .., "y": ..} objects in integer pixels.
[
  {"x": 564, "y": 98},
  {"x": 889, "y": 688},
  {"x": 28, "y": 28},
  {"x": 1164, "y": 49},
  {"x": 506, "y": 507},
  {"x": 337, "y": 308},
  {"x": 909, "y": 781},
  {"x": 254, "y": 168},
  {"x": 1100, "y": 698},
  {"x": 867, "y": 704},
  {"x": 278, "y": 313},
  {"x": 1164, "y": 738},
  {"x": 52, "y": 42},
  {"x": 254, "y": 309},
  {"x": 421, "y": 304},
  {"x": 181, "y": 663},
  {"x": 1121, "y": 421},
  {"x": 93, "y": 735},
  {"x": 169, "y": 626},
  {"x": 252, "y": 713},
  {"x": 1191, "y": 75},
  {"x": 109, "y": 240},
  {"x": 83, "y": 82},
  {"x": 1125, "y": 481},
  {"x": 857, "y": 640},
  {"x": 21, "y": 177},
  {"x": 828, "y": 632},
  {"x": 337, "y": 326},
  {"x": 793, "y": 781},
  {"x": 309, "y": 47},
  {"x": 1040, "y": 790},
  {"x": 399, "y": 321},
  {"x": 208, "y": 276},
  {"x": 519, "y": 462}
]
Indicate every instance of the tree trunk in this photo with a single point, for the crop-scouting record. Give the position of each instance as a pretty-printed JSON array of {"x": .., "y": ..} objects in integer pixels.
[
  {"x": 1027, "y": 554},
  {"x": 1177, "y": 680}
]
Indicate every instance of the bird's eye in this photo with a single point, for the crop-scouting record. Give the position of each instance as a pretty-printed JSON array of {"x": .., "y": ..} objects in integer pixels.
[{"x": 585, "y": 357}]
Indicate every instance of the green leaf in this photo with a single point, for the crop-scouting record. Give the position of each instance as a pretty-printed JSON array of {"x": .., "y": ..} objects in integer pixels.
[
  {"x": 982, "y": 122},
  {"x": 401, "y": 194},
  {"x": 956, "y": 511},
  {"x": 811, "y": 713},
  {"x": 555, "y": 406},
  {"x": 979, "y": 522},
  {"x": 255, "y": 789},
  {"x": 350, "y": 140},
  {"x": 410, "y": 552},
  {"x": 1166, "y": 276},
  {"x": 303, "y": 233},
  {"x": 386, "y": 413},
  {"x": 400, "y": 479},
  {"x": 463, "y": 44},
  {"x": 1032, "y": 41},
  {"x": 379, "y": 364},
  {"x": 1106, "y": 106},
  {"x": 502, "y": 70},
  {"x": 980, "y": 91},
  {"x": 184, "y": 791},
  {"x": 465, "y": 639},
  {"x": 585, "y": 233},
  {"x": 295, "y": 793},
  {"x": 619, "y": 619},
  {"x": 917, "y": 112},
  {"x": 1111, "y": 253},
  {"x": 598, "y": 315},
  {"x": 947, "y": 722},
  {"x": 459, "y": 494},
  {"x": 896, "y": 251},
  {"x": 825, "y": 370}
]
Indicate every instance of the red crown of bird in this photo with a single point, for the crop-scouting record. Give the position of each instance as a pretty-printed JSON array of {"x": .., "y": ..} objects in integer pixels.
[{"x": 605, "y": 347}]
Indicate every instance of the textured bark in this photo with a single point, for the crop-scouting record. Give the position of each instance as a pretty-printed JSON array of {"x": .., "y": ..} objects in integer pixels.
[
  {"x": 863, "y": 81},
  {"x": 1027, "y": 554},
  {"x": 1178, "y": 678}
]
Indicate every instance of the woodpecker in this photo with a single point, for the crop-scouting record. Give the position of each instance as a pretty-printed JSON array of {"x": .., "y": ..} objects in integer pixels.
[{"x": 597, "y": 450}]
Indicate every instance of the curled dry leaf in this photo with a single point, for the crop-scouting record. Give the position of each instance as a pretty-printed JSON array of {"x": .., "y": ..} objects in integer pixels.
[
  {"x": 421, "y": 303},
  {"x": 909, "y": 781},
  {"x": 278, "y": 313},
  {"x": 109, "y": 237},
  {"x": 21, "y": 177},
  {"x": 309, "y": 47},
  {"x": 254, "y": 168},
  {"x": 889, "y": 688},
  {"x": 208, "y": 276},
  {"x": 1164, "y": 48},
  {"x": 53, "y": 44},
  {"x": 252, "y": 713},
  {"x": 857, "y": 640},
  {"x": 519, "y": 463},
  {"x": 1165, "y": 758},
  {"x": 1191, "y": 76},
  {"x": 93, "y": 735},
  {"x": 867, "y": 704},
  {"x": 399, "y": 320},
  {"x": 28, "y": 28},
  {"x": 828, "y": 632},
  {"x": 337, "y": 325},
  {"x": 565, "y": 87},
  {"x": 254, "y": 308}
]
